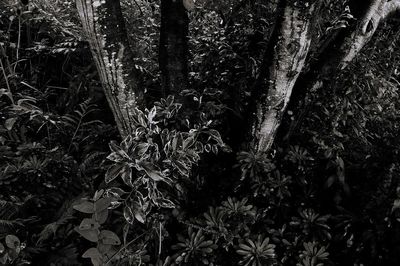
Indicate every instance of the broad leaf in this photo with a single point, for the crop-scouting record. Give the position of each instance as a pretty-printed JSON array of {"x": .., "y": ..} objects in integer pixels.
[
  {"x": 155, "y": 175},
  {"x": 115, "y": 192},
  {"x": 89, "y": 224},
  {"x": 188, "y": 4},
  {"x": 13, "y": 241},
  {"x": 138, "y": 212},
  {"x": 214, "y": 134},
  {"x": 104, "y": 248},
  {"x": 114, "y": 171},
  {"x": 187, "y": 143},
  {"x": 140, "y": 216},
  {"x": 118, "y": 154},
  {"x": 91, "y": 235},
  {"x": 98, "y": 194},
  {"x": 85, "y": 207},
  {"x": 101, "y": 217},
  {"x": 109, "y": 238},
  {"x": 94, "y": 255},
  {"x": 102, "y": 204},
  {"x": 164, "y": 203},
  {"x": 91, "y": 253},
  {"x": 9, "y": 123},
  {"x": 126, "y": 175},
  {"x": 128, "y": 214}
]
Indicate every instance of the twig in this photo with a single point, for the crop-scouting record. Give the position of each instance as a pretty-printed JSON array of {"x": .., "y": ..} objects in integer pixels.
[
  {"x": 18, "y": 42},
  {"x": 140, "y": 9},
  {"x": 160, "y": 241},
  {"x": 124, "y": 247},
  {"x": 8, "y": 84},
  {"x": 77, "y": 127}
]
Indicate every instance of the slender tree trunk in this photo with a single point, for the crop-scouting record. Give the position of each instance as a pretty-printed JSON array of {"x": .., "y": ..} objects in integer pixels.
[
  {"x": 104, "y": 26},
  {"x": 285, "y": 57},
  {"x": 336, "y": 55},
  {"x": 173, "y": 49}
]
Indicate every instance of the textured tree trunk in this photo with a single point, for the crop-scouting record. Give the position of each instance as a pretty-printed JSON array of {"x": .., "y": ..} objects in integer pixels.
[
  {"x": 286, "y": 55},
  {"x": 173, "y": 49},
  {"x": 104, "y": 26},
  {"x": 337, "y": 53}
]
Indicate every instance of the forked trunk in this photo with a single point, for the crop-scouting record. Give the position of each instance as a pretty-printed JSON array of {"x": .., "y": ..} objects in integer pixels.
[{"x": 337, "y": 53}]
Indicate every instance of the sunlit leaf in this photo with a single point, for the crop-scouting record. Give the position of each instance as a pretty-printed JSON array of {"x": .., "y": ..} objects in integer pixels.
[
  {"x": 126, "y": 175},
  {"x": 98, "y": 194},
  {"x": 9, "y": 123},
  {"x": 128, "y": 214},
  {"x": 114, "y": 171},
  {"x": 155, "y": 175},
  {"x": 140, "y": 216}
]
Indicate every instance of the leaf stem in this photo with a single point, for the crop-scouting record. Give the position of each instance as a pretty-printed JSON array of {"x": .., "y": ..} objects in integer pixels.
[{"x": 124, "y": 247}]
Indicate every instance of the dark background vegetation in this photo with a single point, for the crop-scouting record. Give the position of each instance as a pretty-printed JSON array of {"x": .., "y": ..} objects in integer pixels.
[{"x": 329, "y": 195}]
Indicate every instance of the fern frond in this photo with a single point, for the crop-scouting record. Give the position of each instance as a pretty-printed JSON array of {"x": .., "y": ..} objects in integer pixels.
[
  {"x": 91, "y": 161},
  {"x": 8, "y": 214},
  {"x": 8, "y": 210},
  {"x": 75, "y": 119},
  {"x": 51, "y": 228},
  {"x": 9, "y": 225}
]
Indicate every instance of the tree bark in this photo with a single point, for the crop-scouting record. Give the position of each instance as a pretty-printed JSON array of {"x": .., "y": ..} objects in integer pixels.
[
  {"x": 378, "y": 11},
  {"x": 104, "y": 26},
  {"x": 286, "y": 55},
  {"x": 173, "y": 49},
  {"x": 337, "y": 54}
]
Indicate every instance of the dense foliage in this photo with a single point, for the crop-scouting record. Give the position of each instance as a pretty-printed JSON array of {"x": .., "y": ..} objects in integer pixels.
[{"x": 182, "y": 190}]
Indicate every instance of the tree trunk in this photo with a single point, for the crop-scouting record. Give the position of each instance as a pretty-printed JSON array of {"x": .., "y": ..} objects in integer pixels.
[
  {"x": 336, "y": 55},
  {"x": 286, "y": 55},
  {"x": 104, "y": 26},
  {"x": 173, "y": 49}
]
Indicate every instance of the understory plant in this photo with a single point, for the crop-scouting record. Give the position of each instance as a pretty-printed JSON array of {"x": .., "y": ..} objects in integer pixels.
[{"x": 148, "y": 172}]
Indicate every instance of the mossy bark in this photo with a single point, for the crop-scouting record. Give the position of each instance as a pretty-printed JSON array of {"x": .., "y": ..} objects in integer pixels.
[
  {"x": 104, "y": 26},
  {"x": 285, "y": 56}
]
